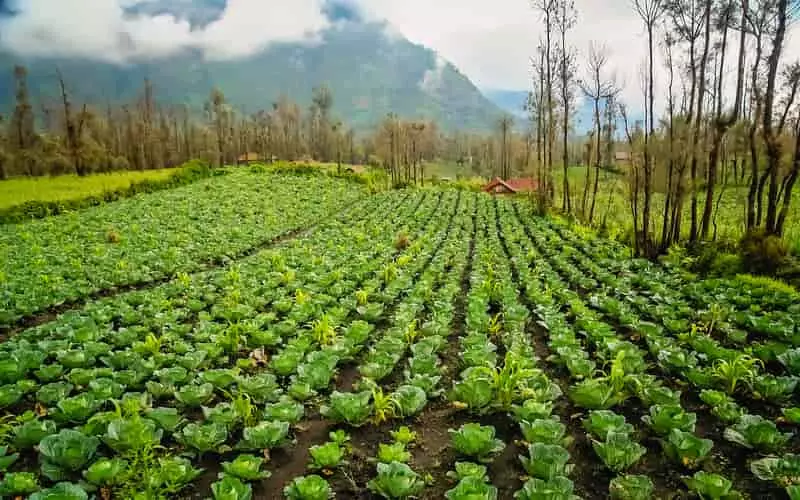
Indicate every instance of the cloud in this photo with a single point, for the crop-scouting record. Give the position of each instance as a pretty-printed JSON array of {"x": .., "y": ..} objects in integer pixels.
[
  {"x": 342, "y": 10},
  {"x": 129, "y": 30},
  {"x": 492, "y": 42},
  {"x": 432, "y": 79},
  {"x": 198, "y": 13},
  {"x": 248, "y": 26}
]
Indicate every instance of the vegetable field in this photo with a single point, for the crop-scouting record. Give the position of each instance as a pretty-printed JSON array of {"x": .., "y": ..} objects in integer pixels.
[{"x": 259, "y": 336}]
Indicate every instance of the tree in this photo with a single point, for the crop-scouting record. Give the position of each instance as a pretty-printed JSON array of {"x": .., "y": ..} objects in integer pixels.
[
  {"x": 73, "y": 128},
  {"x": 548, "y": 10},
  {"x": 320, "y": 119},
  {"x": 650, "y": 11},
  {"x": 599, "y": 88},
  {"x": 723, "y": 122},
  {"x": 771, "y": 130},
  {"x": 22, "y": 131},
  {"x": 505, "y": 125},
  {"x": 566, "y": 17},
  {"x": 217, "y": 112}
]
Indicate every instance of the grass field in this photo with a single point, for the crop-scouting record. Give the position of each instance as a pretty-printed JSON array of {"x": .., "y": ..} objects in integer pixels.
[
  {"x": 417, "y": 343},
  {"x": 69, "y": 187},
  {"x": 614, "y": 206}
]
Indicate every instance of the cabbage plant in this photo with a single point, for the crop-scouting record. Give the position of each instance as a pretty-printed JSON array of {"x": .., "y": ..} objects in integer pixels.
[
  {"x": 311, "y": 487},
  {"x": 396, "y": 481},
  {"x": 476, "y": 441}
]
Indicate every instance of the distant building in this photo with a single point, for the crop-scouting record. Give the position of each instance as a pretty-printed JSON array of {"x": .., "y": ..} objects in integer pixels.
[
  {"x": 356, "y": 169},
  {"x": 622, "y": 157},
  {"x": 248, "y": 158},
  {"x": 510, "y": 186}
]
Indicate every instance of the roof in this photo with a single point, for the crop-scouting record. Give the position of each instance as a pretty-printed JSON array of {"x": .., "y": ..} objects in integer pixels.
[
  {"x": 511, "y": 185},
  {"x": 250, "y": 157},
  {"x": 357, "y": 169},
  {"x": 622, "y": 155}
]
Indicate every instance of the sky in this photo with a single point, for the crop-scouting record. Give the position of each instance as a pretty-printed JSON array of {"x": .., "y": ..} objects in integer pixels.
[{"x": 489, "y": 41}]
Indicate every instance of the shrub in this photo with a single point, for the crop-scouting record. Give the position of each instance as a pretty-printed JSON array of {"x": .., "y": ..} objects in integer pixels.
[{"x": 763, "y": 253}]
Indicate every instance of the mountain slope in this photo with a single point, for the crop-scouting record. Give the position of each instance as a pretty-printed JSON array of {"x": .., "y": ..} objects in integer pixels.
[
  {"x": 512, "y": 101},
  {"x": 369, "y": 72}
]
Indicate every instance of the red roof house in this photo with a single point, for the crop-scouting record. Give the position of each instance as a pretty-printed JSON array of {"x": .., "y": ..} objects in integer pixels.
[{"x": 510, "y": 186}]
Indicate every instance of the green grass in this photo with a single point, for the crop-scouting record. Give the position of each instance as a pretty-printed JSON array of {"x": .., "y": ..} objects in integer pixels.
[
  {"x": 20, "y": 190},
  {"x": 613, "y": 202}
]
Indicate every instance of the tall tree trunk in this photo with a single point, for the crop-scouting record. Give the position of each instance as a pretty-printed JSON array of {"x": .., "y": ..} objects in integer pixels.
[
  {"x": 694, "y": 230},
  {"x": 721, "y": 126},
  {"x": 597, "y": 158},
  {"x": 789, "y": 185},
  {"x": 771, "y": 137}
]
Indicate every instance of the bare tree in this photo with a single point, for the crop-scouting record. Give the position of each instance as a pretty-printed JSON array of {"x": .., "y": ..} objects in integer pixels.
[
  {"x": 598, "y": 87},
  {"x": 73, "y": 128},
  {"x": 504, "y": 126},
  {"x": 650, "y": 11},
  {"x": 566, "y": 17},
  {"x": 771, "y": 130},
  {"x": 549, "y": 10}
]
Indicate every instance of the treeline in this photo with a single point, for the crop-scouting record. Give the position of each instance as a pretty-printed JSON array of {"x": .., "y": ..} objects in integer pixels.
[
  {"x": 50, "y": 135},
  {"x": 731, "y": 116},
  {"x": 60, "y": 136}
]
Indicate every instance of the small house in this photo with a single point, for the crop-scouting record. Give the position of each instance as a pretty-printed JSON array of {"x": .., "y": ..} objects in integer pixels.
[
  {"x": 356, "y": 169},
  {"x": 622, "y": 158},
  {"x": 248, "y": 158},
  {"x": 510, "y": 186}
]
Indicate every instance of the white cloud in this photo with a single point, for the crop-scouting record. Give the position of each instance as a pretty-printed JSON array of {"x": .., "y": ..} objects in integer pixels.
[
  {"x": 247, "y": 26},
  {"x": 489, "y": 41},
  {"x": 101, "y": 29},
  {"x": 492, "y": 42},
  {"x": 432, "y": 79}
]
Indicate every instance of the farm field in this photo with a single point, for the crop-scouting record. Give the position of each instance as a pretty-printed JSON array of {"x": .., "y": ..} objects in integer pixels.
[
  {"x": 271, "y": 336},
  {"x": 74, "y": 256},
  {"x": 69, "y": 187}
]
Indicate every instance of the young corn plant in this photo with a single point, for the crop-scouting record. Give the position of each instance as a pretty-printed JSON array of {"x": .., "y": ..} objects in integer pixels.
[
  {"x": 323, "y": 330},
  {"x": 411, "y": 333},
  {"x": 740, "y": 369},
  {"x": 496, "y": 325},
  {"x": 509, "y": 382},
  {"x": 384, "y": 405}
]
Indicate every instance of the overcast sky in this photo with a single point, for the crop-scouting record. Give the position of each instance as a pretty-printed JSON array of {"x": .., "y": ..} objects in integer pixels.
[{"x": 491, "y": 41}]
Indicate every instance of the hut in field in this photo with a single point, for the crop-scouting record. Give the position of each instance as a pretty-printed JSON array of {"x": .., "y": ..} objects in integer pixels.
[
  {"x": 356, "y": 169},
  {"x": 250, "y": 158},
  {"x": 622, "y": 159},
  {"x": 510, "y": 186}
]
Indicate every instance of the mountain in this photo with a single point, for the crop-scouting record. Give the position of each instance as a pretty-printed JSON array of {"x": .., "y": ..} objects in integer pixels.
[
  {"x": 370, "y": 72},
  {"x": 512, "y": 101}
]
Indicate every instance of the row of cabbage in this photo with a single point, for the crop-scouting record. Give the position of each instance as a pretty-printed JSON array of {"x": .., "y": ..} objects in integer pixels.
[
  {"x": 115, "y": 396},
  {"x": 68, "y": 257},
  {"x": 500, "y": 376},
  {"x": 638, "y": 356},
  {"x": 401, "y": 372}
]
